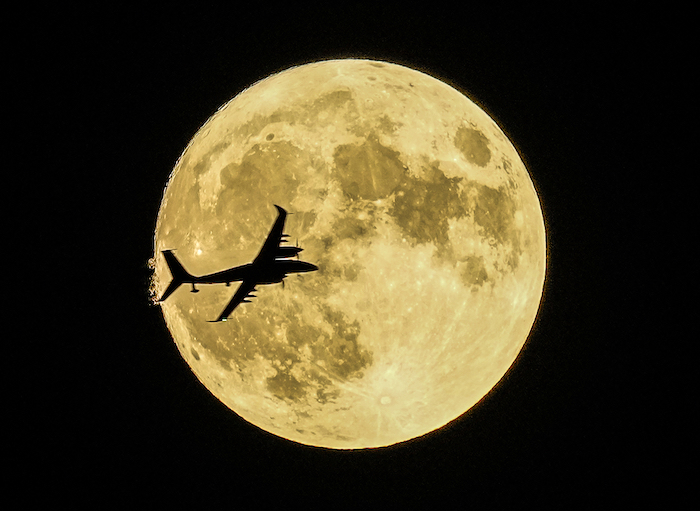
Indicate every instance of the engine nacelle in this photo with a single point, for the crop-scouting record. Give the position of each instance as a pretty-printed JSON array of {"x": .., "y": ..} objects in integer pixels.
[{"x": 285, "y": 252}]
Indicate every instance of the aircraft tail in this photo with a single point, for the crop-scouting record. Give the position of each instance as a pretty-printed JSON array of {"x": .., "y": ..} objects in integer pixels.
[{"x": 178, "y": 272}]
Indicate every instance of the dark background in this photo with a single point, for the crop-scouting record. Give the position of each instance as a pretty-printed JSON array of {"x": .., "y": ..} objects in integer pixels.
[{"x": 112, "y": 412}]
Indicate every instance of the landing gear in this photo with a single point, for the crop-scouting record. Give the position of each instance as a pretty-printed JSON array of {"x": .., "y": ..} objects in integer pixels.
[{"x": 194, "y": 289}]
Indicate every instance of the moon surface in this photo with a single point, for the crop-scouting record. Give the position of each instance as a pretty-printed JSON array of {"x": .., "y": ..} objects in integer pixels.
[{"x": 423, "y": 221}]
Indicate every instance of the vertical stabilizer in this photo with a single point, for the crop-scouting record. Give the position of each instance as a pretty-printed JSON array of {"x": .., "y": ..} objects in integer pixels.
[{"x": 178, "y": 272}]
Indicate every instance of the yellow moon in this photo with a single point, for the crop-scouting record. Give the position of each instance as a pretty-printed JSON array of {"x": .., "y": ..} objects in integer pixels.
[{"x": 423, "y": 221}]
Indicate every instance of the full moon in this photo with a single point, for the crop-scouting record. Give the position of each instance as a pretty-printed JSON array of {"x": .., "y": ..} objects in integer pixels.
[{"x": 423, "y": 221}]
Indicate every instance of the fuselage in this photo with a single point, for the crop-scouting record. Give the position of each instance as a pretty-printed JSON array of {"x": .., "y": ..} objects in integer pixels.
[{"x": 269, "y": 273}]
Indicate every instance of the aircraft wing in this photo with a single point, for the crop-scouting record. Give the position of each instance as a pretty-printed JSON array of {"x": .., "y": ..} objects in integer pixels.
[
  {"x": 244, "y": 291},
  {"x": 269, "y": 250}
]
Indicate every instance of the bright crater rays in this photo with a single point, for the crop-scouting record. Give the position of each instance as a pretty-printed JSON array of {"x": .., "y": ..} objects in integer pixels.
[{"x": 428, "y": 235}]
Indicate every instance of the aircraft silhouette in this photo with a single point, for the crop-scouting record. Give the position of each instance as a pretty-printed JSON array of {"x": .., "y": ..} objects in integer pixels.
[{"x": 270, "y": 266}]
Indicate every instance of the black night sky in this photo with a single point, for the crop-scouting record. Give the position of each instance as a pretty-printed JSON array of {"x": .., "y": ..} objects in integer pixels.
[{"x": 115, "y": 415}]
